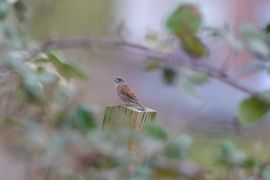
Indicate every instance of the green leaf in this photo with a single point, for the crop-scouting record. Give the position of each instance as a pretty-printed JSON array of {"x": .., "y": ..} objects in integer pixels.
[
  {"x": 179, "y": 147},
  {"x": 227, "y": 152},
  {"x": 151, "y": 37},
  {"x": 67, "y": 70},
  {"x": 265, "y": 95},
  {"x": 252, "y": 110},
  {"x": 228, "y": 149},
  {"x": 230, "y": 156},
  {"x": 239, "y": 158},
  {"x": 233, "y": 42},
  {"x": 185, "y": 20},
  {"x": 255, "y": 40},
  {"x": 33, "y": 89},
  {"x": 45, "y": 77},
  {"x": 143, "y": 172},
  {"x": 266, "y": 174},
  {"x": 189, "y": 88},
  {"x": 250, "y": 163},
  {"x": 155, "y": 130},
  {"x": 198, "y": 77},
  {"x": 83, "y": 118},
  {"x": 151, "y": 65},
  {"x": 21, "y": 10},
  {"x": 267, "y": 28},
  {"x": 4, "y": 9},
  {"x": 169, "y": 75},
  {"x": 194, "y": 47},
  {"x": 41, "y": 58}
]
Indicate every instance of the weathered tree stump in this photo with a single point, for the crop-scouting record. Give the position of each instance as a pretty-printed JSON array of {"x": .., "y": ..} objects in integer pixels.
[{"x": 128, "y": 117}]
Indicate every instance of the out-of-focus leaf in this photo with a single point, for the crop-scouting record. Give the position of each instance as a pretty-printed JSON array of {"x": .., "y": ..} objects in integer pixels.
[
  {"x": 4, "y": 9},
  {"x": 213, "y": 32},
  {"x": 253, "y": 67},
  {"x": 185, "y": 20},
  {"x": 188, "y": 87},
  {"x": 250, "y": 163},
  {"x": 63, "y": 93},
  {"x": 169, "y": 75},
  {"x": 21, "y": 10},
  {"x": 233, "y": 42},
  {"x": 260, "y": 48},
  {"x": 143, "y": 172},
  {"x": 45, "y": 77},
  {"x": 179, "y": 147},
  {"x": 61, "y": 120},
  {"x": 267, "y": 28},
  {"x": 83, "y": 118},
  {"x": 268, "y": 70},
  {"x": 230, "y": 156},
  {"x": 265, "y": 95},
  {"x": 198, "y": 77},
  {"x": 151, "y": 65},
  {"x": 227, "y": 149},
  {"x": 67, "y": 70},
  {"x": 194, "y": 47},
  {"x": 151, "y": 37},
  {"x": 239, "y": 158},
  {"x": 28, "y": 79},
  {"x": 155, "y": 130},
  {"x": 226, "y": 32},
  {"x": 33, "y": 88},
  {"x": 227, "y": 152},
  {"x": 41, "y": 58},
  {"x": 252, "y": 109},
  {"x": 9, "y": 121},
  {"x": 255, "y": 40},
  {"x": 17, "y": 39},
  {"x": 266, "y": 174}
]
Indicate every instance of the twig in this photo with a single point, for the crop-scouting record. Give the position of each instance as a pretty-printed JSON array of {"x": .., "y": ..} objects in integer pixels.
[
  {"x": 226, "y": 62},
  {"x": 164, "y": 57}
]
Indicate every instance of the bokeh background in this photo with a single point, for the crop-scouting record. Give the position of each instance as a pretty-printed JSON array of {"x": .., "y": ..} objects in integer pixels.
[
  {"x": 215, "y": 103},
  {"x": 213, "y": 110}
]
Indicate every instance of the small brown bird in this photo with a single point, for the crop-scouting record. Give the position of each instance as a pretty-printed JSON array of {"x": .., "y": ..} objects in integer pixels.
[{"x": 125, "y": 93}]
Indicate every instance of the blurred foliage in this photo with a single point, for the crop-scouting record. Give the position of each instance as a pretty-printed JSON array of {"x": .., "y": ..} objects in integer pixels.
[
  {"x": 185, "y": 20},
  {"x": 169, "y": 74},
  {"x": 64, "y": 137},
  {"x": 252, "y": 110},
  {"x": 68, "y": 18},
  {"x": 184, "y": 23}
]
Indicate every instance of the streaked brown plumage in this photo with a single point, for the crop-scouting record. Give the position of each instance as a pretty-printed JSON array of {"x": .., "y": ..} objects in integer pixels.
[{"x": 126, "y": 94}]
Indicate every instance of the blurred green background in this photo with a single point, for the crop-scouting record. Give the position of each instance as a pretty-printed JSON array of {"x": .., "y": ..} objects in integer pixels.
[{"x": 68, "y": 18}]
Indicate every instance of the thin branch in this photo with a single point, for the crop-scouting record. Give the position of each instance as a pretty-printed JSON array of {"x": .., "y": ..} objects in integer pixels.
[
  {"x": 164, "y": 57},
  {"x": 106, "y": 43}
]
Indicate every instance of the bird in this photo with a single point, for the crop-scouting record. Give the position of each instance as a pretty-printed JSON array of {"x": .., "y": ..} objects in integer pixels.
[{"x": 126, "y": 94}]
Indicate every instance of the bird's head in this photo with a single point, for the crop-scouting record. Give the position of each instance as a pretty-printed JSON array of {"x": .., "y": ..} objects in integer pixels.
[{"x": 118, "y": 81}]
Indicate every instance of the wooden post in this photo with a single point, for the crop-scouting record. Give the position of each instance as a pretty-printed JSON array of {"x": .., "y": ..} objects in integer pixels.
[{"x": 128, "y": 117}]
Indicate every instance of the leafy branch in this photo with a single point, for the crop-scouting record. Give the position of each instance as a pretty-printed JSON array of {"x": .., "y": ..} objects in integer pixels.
[{"x": 170, "y": 58}]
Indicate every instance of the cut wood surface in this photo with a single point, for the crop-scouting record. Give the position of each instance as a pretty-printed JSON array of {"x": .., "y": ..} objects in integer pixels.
[{"x": 128, "y": 117}]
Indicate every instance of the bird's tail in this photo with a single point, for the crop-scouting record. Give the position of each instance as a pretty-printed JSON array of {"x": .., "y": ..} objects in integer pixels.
[{"x": 141, "y": 106}]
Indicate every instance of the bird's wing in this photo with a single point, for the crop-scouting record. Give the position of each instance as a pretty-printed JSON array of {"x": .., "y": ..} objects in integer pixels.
[{"x": 128, "y": 92}]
